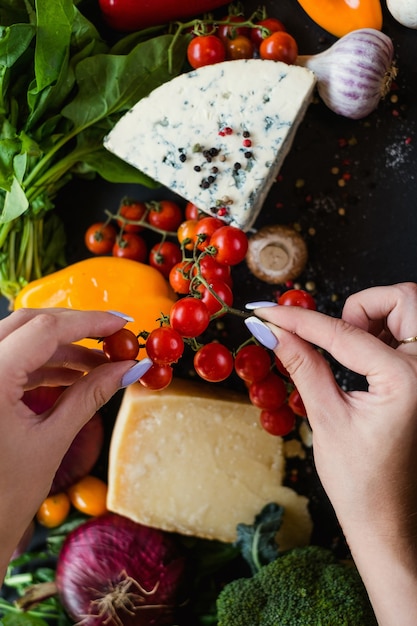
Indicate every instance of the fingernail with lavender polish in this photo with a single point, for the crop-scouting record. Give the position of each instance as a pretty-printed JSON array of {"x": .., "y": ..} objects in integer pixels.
[
  {"x": 261, "y": 332},
  {"x": 251, "y": 306},
  {"x": 136, "y": 372},
  {"x": 128, "y": 318}
]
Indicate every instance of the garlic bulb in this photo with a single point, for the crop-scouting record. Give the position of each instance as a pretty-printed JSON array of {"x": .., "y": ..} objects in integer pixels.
[
  {"x": 404, "y": 11},
  {"x": 354, "y": 73}
]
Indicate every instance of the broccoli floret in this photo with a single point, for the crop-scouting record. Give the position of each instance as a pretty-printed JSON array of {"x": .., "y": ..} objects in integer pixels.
[{"x": 303, "y": 587}]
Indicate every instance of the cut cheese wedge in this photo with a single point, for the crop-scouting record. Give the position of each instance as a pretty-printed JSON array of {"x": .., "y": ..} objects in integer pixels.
[
  {"x": 195, "y": 462},
  {"x": 217, "y": 136}
]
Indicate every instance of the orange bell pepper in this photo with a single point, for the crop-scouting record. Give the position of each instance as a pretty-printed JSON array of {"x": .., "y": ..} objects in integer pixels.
[
  {"x": 340, "y": 17},
  {"x": 104, "y": 283}
]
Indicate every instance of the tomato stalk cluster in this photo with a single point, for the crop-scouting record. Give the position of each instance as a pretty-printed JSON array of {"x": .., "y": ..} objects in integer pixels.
[{"x": 202, "y": 278}]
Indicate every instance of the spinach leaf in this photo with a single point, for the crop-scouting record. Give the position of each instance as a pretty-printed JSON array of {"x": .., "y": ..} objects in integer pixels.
[{"x": 257, "y": 541}]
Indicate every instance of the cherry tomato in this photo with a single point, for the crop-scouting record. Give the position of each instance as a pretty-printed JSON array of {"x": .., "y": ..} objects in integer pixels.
[
  {"x": 163, "y": 256},
  {"x": 191, "y": 211},
  {"x": 130, "y": 246},
  {"x": 185, "y": 233},
  {"x": 179, "y": 277},
  {"x": 54, "y": 510},
  {"x": 231, "y": 245},
  {"x": 165, "y": 215},
  {"x": 279, "y": 46},
  {"x": 272, "y": 24},
  {"x": 157, "y": 377},
  {"x": 204, "y": 229},
  {"x": 100, "y": 237},
  {"x": 131, "y": 210},
  {"x": 296, "y": 403},
  {"x": 189, "y": 316},
  {"x": 252, "y": 363},
  {"x": 164, "y": 345},
  {"x": 297, "y": 297},
  {"x": 233, "y": 30},
  {"x": 222, "y": 290},
  {"x": 213, "y": 362},
  {"x": 89, "y": 495},
  {"x": 205, "y": 50},
  {"x": 241, "y": 47},
  {"x": 269, "y": 393},
  {"x": 278, "y": 422},
  {"x": 122, "y": 345},
  {"x": 211, "y": 270}
]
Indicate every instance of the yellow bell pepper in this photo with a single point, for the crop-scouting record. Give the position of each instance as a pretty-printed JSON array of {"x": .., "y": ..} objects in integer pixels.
[
  {"x": 340, "y": 17},
  {"x": 104, "y": 283}
]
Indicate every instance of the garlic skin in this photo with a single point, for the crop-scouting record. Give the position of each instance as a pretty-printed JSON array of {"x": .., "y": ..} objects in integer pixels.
[
  {"x": 404, "y": 11},
  {"x": 354, "y": 73}
]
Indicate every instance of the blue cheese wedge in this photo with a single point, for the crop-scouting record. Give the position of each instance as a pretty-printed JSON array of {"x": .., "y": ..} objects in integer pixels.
[{"x": 217, "y": 136}]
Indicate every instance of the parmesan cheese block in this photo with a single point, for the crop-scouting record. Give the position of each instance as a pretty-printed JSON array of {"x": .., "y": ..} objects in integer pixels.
[
  {"x": 195, "y": 462},
  {"x": 217, "y": 136}
]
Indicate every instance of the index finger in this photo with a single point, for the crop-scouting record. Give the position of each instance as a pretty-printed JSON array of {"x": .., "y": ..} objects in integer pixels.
[
  {"x": 35, "y": 341},
  {"x": 351, "y": 346}
]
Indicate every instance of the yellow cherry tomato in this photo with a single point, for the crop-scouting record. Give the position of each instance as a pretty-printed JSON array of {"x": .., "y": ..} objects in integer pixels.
[
  {"x": 54, "y": 510},
  {"x": 89, "y": 495},
  {"x": 186, "y": 232}
]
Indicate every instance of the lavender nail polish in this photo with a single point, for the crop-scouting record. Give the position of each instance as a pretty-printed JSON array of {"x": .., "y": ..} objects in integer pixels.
[
  {"x": 128, "y": 318},
  {"x": 136, "y": 371},
  {"x": 261, "y": 332},
  {"x": 251, "y": 306}
]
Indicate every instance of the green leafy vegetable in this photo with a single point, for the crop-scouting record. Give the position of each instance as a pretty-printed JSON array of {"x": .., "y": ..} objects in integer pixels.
[
  {"x": 257, "y": 541},
  {"x": 62, "y": 88}
]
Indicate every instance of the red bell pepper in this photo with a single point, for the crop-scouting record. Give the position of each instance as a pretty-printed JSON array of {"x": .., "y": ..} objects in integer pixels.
[{"x": 130, "y": 15}]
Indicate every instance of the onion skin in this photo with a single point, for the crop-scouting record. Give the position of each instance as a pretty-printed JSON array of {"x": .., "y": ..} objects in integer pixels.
[
  {"x": 354, "y": 73},
  {"x": 117, "y": 572}
]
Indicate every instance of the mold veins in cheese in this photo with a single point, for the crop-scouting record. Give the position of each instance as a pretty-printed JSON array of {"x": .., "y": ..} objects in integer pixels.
[
  {"x": 217, "y": 136},
  {"x": 189, "y": 461}
]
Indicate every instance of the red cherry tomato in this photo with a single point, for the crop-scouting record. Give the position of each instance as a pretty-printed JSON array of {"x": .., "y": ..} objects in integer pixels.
[
  {"x": 241, "y": 47},
  {"x": 231, "y": 245},
  {"x": 296, "y": 403},
  {"x": 163, "y": 256},
  {"x": 222, "y": 290},
  {"x": 157, "y": 377},
  {"x": 179, "y": 277},
  {"x": 204, "y": 229},
  {"x": 252, "y": 363},
  {"x": 269, "y": 393},
  {"x": 165, "y": 215},
  {"x": 278, "y": 422},
  {"x": 100, "y": 237},
  {"x": 297, "y": 297},
  {"x": 205, "y": 50},
  {"x": 189, "y": 316},
  {"x": 164, "y": 345},
  {"x": 131, "y": 210},
  {"x": 213, "y": 362},
  {"x": 272, "y": 24},
  {"x": 191, "y": 212},
  {"x": 122, "y": 345},
  {"x": 130, "y": 246},
  {"x": 211, "y": 270},
  {"x": 233, "y": 29},
  {"x": 279, "y": 46}
]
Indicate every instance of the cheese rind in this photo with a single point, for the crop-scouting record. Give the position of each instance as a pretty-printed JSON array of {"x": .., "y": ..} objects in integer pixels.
[
  {"x": 217, "y": 136},
  {"x": 190, "y": 461}
]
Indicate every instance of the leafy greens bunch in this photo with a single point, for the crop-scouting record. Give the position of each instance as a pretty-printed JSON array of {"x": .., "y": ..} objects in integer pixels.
[{"x": 62, "y": 88}]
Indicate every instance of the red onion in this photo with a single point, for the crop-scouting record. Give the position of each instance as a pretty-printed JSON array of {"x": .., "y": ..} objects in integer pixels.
[
  {"x": 116, "y": 572},
  {"x": 85, "y": 449},
  {"x": 354, "y": 73}
]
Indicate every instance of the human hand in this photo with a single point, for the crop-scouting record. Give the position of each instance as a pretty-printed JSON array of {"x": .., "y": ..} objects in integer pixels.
[
  {"x": 36, "y": 348},
  {"x": 364, "y": 442}
]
